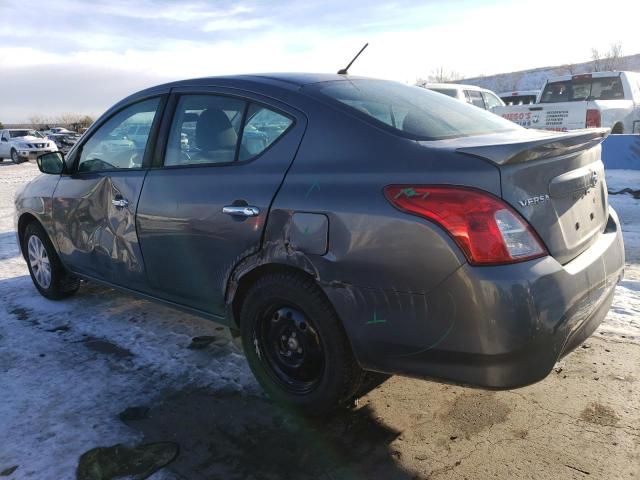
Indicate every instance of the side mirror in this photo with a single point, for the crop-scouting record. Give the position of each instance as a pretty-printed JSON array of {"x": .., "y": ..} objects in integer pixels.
[
  {"x": 52, "y": 163},
  {"x": 4, "y": 139}
]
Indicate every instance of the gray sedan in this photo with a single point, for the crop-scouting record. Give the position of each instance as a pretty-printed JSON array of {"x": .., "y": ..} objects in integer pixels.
[{"x": 340, "y": 225}]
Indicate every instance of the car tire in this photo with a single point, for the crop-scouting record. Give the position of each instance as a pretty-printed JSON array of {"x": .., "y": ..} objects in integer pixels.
[
  {"x": 296, "y": 346},
  {"x": 47, "y": 272},
  {"x": 14, "y": 156},
  {"x": 617, "y": 129}
]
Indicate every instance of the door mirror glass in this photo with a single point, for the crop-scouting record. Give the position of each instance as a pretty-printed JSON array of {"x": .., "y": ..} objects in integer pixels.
[{"x": 52, "y": 163}]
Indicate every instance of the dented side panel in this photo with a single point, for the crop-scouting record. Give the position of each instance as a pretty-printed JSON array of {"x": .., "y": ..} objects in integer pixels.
[{"x": 93, "y": 236}]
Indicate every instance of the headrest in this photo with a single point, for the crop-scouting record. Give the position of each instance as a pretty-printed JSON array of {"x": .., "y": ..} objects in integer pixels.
[{"x": 214, "y": 131}]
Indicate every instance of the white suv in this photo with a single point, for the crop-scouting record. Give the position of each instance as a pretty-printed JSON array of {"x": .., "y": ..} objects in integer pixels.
[
  {"x": 21, "y": 144},
  {"x": 480, "y": 97}
]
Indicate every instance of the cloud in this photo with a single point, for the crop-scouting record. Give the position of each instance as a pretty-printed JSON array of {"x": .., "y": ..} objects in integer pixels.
[{"x": 122, "y": 42}]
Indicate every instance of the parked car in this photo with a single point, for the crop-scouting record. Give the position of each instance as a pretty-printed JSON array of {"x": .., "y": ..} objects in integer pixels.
[
  {"x": 58, "y": 131},
  {"x": 381, "y": 227},
  {"x": 23, "y": 144},
  {"x": 592, "y": 100},
  {"x": 64, "y": 141},
  {"x": 521, "y": 97},
  {"x": 480, "y": 97}
]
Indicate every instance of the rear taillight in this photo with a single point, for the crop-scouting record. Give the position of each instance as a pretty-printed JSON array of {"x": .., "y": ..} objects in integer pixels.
[
  {"x": 593, "y": 118},
  {"x": 486, "y": 229}
]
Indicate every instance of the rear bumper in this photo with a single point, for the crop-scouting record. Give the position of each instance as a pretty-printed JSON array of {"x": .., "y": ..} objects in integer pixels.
[{"x": 493, "y": 327}]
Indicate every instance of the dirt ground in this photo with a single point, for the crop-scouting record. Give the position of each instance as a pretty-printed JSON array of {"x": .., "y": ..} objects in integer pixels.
[{"x": 583, "y": 421}]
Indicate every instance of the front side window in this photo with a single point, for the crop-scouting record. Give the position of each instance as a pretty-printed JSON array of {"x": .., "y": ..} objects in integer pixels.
[
  {"x": 112, "y": 146},
  {"x": 418, "y": 113},
  {"x": 491, "y": 100},
  {"x": 474, "y": 97}
]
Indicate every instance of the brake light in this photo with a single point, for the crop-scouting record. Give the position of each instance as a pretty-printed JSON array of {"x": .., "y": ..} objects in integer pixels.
[
  {"x": 486, "y": 229},
  {"x": 593, "y": 118}
]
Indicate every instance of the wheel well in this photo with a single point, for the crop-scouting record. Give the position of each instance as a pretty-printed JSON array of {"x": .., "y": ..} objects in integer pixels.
[
  {"x": 25, "y": 219},
  {"x": 247, "y": 280}
]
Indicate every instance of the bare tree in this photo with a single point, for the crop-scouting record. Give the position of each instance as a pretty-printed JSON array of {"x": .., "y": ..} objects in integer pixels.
[
  {"x": 440, "y": 75},
  {"x": 608, "y": 61},
  {"x": 74, "y": 121},
  {"x": 39, "y": 121}
]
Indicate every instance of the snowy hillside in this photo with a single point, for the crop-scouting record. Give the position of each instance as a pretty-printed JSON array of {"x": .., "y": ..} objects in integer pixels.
[{"x": 534, "y": 79}]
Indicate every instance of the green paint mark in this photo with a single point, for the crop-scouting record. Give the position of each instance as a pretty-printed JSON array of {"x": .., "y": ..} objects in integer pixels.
[
  {"x": 375, "y": 320},
  {"x": 315, "y": 185},
  {"x": 410, "y": 192},
  {"x": 306, "y": 230}
]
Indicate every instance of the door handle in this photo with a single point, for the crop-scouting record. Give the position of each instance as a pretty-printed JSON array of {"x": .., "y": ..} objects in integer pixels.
[
  {"x": 120, "y": 202},
  {"x": 241, "y": 210}
]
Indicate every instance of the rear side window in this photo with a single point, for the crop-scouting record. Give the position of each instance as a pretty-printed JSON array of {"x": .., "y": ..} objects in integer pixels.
[
  {"x": 262, "y": 127},
  {"x": 210, "y": 129},
  {"x": 583, "y": 88},
  {"x": 205, "y": 129},
  {"x": 412, "y": 112}
]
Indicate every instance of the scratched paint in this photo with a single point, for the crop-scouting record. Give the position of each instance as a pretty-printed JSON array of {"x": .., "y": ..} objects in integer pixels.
[
  {"x": 314, "y": 185},
  {"x": 376, "y": 320},
  {"x": 410, "y": 192}
]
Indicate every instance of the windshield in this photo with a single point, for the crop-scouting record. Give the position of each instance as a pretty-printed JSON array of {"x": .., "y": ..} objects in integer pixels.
[
  {"x": 583, "y": 88},
  {"x": 412, "y": 112},
  {"x": 24, "y": 133}
]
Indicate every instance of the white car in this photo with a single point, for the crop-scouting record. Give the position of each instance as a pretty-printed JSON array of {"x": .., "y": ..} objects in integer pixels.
[
  {"x": 59, "y": 131},
  {"x": 21, "y": 144},
  {"x": 480, "y": 97},
  {"x": 591, "y": 100}
]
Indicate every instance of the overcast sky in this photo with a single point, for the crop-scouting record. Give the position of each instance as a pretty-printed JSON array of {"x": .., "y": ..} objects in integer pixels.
[{"x": 82, "y": 56}]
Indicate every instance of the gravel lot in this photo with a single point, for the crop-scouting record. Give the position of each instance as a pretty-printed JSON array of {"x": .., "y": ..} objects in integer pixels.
[{"x": 69, "y": 369}]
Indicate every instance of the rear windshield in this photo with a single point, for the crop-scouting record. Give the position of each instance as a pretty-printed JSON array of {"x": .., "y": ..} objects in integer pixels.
[
  {"x": 413, "y": 112},
  {"x": 580, "y": 89},
  {"x": 445, "y": 91},
  {"x": 519, "y": 99}
]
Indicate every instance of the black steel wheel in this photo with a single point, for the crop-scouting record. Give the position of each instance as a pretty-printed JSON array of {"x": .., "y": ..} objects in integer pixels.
[
  {"x": 296, "y": 345},
  {"x": 291, "y": 344}
]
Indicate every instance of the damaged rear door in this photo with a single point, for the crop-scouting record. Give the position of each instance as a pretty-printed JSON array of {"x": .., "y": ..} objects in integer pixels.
[
  {"x": 205, "y": 203},
  {"x": 94, "y": 207}
]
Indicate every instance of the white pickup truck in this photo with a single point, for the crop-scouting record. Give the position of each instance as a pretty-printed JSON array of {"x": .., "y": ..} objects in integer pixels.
[{"x": 599, "y": 99}]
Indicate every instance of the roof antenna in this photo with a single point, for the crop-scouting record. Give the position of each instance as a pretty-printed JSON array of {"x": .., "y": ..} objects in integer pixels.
[{"x": 345, "y": 71}]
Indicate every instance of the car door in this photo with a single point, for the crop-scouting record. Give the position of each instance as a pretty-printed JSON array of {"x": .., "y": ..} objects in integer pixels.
[
  {"x": 474, "y": 97},
  {"x": 4, "y": 144},
  {"x": 204, "y": 207},
  {"x": 94, "y": 206}
]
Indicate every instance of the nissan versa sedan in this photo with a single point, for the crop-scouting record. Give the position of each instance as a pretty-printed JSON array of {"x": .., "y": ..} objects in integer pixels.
[{"x": 340, "y": 225}]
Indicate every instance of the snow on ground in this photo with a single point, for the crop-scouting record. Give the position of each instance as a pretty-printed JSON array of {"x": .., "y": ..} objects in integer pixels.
[
  {"x": 624, "y": 316},
  {"x": 67, "y": 369}
]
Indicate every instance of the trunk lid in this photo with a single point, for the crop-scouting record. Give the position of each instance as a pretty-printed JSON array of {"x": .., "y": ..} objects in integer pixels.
[{"x": 555, "y": 181}]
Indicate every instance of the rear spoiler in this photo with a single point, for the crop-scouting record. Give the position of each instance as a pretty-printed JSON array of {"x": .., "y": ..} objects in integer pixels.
[{"x": 547, "y": 147}]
